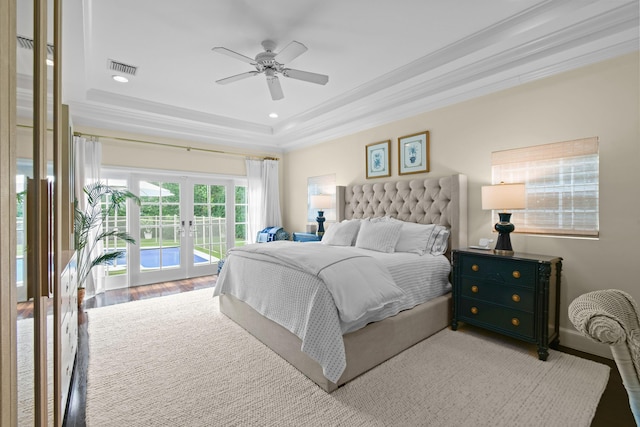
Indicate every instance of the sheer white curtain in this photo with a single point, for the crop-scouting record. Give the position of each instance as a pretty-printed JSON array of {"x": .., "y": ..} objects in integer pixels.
[
  {"x": 87, "y": 163},
  {"x": 254, "y": 199},
  {"x": 271, "y": 198},
  {"x": 263, "y": 196}
]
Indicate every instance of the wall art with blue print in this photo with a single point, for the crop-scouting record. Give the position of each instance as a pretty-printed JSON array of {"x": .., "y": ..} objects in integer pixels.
[
  {"x": 378, "y": 164},
  {"x": 413, "y": 153}
]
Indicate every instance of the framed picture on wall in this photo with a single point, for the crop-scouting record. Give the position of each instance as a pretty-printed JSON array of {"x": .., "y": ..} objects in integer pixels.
[
  {"x": 378, "y": 164},
  {"x": 413, "y": 153}
]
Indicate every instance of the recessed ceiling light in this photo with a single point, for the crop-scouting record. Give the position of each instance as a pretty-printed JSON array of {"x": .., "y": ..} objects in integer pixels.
[
  {"x": 49, "y": 62},
  {"x": 120, "y": 79},
  {"x": 273, "y": 115}
]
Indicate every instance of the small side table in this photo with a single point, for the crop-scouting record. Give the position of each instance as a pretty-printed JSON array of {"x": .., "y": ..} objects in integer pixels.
[
  {"x": 305, "y": 237},
  {"x": 516, "y": 295}
]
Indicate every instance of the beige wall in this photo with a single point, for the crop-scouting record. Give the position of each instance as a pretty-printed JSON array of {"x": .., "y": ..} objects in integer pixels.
[
  {"x": 116, "y": 152},
  {"x": 120, "y": 150},
  {"x": 599, "y": 100}
]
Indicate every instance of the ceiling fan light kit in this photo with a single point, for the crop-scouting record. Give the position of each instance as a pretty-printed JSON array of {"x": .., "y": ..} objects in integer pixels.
[{"x": 271, "y": 64}]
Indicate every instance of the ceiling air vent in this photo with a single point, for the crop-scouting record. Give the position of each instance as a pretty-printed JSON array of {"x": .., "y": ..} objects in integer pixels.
[
  {"x": 121, "y": 68},
  {"x": 27, "y": 43}
]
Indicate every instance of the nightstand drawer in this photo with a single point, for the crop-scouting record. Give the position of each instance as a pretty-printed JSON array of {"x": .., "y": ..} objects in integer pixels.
[
  {"x": 519, "y": 298},
  {"x": 499, "y": 270},
  {"x": 512, "y": 322}
]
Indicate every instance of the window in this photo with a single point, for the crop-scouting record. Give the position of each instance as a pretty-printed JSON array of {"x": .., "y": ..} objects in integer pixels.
[
  {"x": 325, "y": 184},
  {"x": 241, "y": 215},
  {"x": 562, "y": 186}
]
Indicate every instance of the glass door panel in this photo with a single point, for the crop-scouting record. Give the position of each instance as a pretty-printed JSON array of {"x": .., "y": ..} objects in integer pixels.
[
  {"x": 116, "y": 273},
  {"x": 240, "y": 235},
  {"x": 209, "y": 229},
  {"x": 161, "y": 231}
]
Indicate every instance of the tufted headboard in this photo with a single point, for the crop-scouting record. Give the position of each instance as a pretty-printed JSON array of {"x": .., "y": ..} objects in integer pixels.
[{"x": 440, "y": 201}]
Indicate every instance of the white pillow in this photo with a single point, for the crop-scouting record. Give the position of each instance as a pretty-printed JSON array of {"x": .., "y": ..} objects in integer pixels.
[
  {"x": 414, "y": 237},
  {"x": 379, "y": 236},
  {"x": 342, "y": 233}
]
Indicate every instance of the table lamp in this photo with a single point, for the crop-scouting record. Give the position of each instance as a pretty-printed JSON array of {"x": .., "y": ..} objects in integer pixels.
[
  {"x": 321, "y": 202},
  {"x": 503, "y": 197}
]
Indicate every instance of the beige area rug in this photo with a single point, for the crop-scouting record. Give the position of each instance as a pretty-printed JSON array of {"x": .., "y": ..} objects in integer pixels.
[
  {"x": 176, "y": 361},
  {"x": 26, "y": 369}
]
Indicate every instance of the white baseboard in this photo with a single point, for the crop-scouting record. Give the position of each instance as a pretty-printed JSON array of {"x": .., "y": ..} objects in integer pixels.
[{"x": 575, "y": 340}]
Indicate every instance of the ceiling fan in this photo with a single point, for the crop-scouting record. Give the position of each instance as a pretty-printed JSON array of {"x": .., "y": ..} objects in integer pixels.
[{"x": 272, "y": 64}]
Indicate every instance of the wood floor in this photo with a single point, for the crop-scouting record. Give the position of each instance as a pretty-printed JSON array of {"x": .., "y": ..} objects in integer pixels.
[{"x": 613, "y": 409}]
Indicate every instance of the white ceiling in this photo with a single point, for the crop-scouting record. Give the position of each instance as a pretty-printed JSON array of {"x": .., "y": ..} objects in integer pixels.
[{"x": 385, "y": 59}]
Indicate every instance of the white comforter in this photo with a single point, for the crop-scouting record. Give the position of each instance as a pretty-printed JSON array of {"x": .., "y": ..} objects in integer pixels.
[
  {"x": 356, "y": 282},
  {"x": 299, "y": 300}
]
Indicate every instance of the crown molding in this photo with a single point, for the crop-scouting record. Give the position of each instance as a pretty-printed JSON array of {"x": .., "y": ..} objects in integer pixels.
[
  {"x": 108, "y": 117},
  {"x": 159, "y": 109},
  {"x": 367, "y": 120},
  {"x": 584, "y": 43}
]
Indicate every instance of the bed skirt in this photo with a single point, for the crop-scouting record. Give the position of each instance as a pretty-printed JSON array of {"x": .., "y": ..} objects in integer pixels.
[{"x": 364, "y": 348}]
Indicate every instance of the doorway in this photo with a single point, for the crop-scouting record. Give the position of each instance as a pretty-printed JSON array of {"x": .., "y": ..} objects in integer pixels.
[{"x": 183, "y": 227}]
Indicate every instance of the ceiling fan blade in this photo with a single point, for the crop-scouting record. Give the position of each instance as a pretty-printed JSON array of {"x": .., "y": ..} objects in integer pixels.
[
  {"x": 290, "y": 52},
  {"x": 275, "y": 88},
  {"x": 320, "y": 79},
  {"x": 237, "y": 77},
  {"x": 236, "y": 55}
]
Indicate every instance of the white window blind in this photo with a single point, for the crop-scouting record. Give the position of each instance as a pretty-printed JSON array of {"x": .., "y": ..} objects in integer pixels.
[{"x": 562, "y": 186}]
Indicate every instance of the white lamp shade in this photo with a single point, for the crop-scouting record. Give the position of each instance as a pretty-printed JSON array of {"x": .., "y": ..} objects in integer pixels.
[
  {"x": 503, "y": 196},
  {"x": 321, "y": 201}
]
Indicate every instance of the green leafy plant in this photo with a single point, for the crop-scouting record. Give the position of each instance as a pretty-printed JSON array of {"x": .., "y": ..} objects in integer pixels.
[{"x": 89, "y": 230}]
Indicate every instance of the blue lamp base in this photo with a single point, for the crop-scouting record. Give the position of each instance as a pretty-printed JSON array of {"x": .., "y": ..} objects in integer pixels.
[
  {"x": 320, "y": 218},
  {"x": 504, "y": 227}
]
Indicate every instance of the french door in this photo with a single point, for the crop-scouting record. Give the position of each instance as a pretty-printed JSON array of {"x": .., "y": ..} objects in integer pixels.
[{"x": 183, "y": 227}]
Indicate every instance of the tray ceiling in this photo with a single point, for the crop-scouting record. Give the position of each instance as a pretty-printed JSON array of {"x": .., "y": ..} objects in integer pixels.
[{"x": 385, "y": 61}]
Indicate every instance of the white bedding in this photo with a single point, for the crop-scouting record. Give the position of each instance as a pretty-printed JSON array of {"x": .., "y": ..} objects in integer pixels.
[
  {"x": 421, "y": 277},
  {"x": 356, "y": 282},
  {"x": 302, "y": 303}
]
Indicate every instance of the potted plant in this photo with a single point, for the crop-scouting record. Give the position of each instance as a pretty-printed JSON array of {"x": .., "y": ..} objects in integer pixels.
[{"x": 89, "y": 230}]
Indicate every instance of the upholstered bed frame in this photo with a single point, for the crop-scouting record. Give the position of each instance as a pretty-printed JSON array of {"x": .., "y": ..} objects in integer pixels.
[{"x": 426, "y": 201}]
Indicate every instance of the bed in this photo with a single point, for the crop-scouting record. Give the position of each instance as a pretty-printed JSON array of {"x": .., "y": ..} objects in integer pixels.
[{"x": 312, "y": 345}]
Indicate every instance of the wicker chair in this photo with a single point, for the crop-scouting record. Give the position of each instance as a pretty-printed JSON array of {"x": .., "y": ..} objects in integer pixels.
[{"x": 611, "y": 317}]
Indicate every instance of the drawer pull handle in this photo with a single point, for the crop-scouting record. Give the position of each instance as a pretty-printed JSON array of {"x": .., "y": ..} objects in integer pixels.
[
  {"x": 516, "y": 274},
  {"x": 515, "y": 321},
  {"x": 474, "y": 289},
  {"x": 475, "y": 267},
  {"x": 515, "y": 298},
  {"x": 474, "y": 310}
]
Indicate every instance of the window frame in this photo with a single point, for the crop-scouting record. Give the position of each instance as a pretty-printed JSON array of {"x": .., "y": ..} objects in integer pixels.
[{"x": 561, "y": 183}]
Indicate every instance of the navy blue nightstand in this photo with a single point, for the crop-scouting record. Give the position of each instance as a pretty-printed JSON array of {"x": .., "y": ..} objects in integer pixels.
[
  {"x": 515, "y": 295},
  {"x": 305, "y": 237}
]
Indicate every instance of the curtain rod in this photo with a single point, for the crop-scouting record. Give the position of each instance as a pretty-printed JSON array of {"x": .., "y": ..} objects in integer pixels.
[{"x": 162, "y": 144}]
